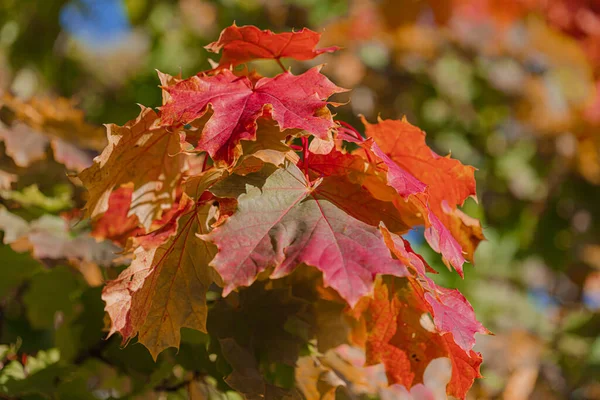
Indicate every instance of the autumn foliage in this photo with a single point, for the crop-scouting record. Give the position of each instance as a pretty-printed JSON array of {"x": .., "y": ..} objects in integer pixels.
[{"x": 240, "y": 180}]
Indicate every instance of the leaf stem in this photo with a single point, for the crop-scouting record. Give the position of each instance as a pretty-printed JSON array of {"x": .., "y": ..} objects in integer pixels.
[
  {"x": 351, "y": 130},
  {"x": 305, "y": 155},
  {"x": 281, "y": 65},
  {"x": 355, "y": 133}
]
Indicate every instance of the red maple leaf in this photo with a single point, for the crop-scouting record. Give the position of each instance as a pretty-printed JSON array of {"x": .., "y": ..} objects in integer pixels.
[
  {"x": 293, "y": 101},
  {"x": 398, "y": 337},
  {"x": 247, "y": 43},
  {"x": 449, "y": 183},
  {"x": 422, "y": 182},
  {"x": 451, "y": 311},
  {"x": 288, "y": 221},
  {"x": 255, "y": 208}
]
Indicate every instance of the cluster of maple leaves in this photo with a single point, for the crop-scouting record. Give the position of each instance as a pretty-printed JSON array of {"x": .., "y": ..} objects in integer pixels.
[{"x": 239, "y": 178}]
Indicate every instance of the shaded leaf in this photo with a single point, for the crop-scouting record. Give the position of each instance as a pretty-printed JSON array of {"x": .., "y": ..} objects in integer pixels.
[
  {"x": 269, "y": 147},
  {"x": 273, "y": 338},
  {"x": 247, "y": 379},
  {"x": 165, "y": 287}
]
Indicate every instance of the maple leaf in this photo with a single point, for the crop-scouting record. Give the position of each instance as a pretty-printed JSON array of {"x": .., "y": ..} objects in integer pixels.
[
  {"x": 315, "y": 381},
  {"x": 70, "y": 156},
  {"x": 40, "y": 122},
  {"x": 246, "y": 43},
  {"x": 269, "y": 147},
  {"x": 450, "y": 309},
  {"x": 399, "y": 178},
  {"x": 23, "y": 144},
  {"x": 288, "y": 221},
  {"x": 246, "y": 377},
  {"x": 262, "y": 340},
  {"x": 344, "y": 367},
  {"x": 382, "y": 205},
  {"x": 57, "y": 118},
  {"x": 449, "y": 184},
  {"x": 453, "y": 313},
  {"x": 139, "y": 153},
  {"x": 321, "y": 310},
  {"x": 269, "y": 336},
  {"x": 164, "y": 288},
  {"x": 26, "y": 145},
  {"x": 352, "y": 199},
  {"x": 115, "y": 224},
  {"x": 331, "y": 327},
  {"x": 50, "y": 237},
  {"x": 293, "y": 101},
  {"x": 254, "y": 210},
  {"x": 400, "y": 336}
]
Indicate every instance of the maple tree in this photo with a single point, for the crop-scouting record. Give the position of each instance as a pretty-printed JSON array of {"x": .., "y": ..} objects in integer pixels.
[
  {"x": 508, "y": 88},
  {"x": 240, "y": 178}
]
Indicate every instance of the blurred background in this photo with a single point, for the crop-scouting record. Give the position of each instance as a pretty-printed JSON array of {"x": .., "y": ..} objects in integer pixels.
[{"x": 510, "y": 87}]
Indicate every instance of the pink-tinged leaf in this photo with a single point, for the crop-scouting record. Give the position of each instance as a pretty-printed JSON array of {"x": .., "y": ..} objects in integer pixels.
[
  {"x": 287, "y": 222},
  {"x": 294, "y": 102},
  {"x": 24, "y": 144},
  {"x": 449, "y": 183},
  {"x": 399, "y": 337},
  {"x": 451, "y": 311},
  {"x": 398, "y": 178},
  {"x": 246, "y": 43},
  {"x": 441, "y": 240},
  {"x": 71, "y": 156},
  {"x": 12, "y": 226},
  {"x": 403, "y": 251}
]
